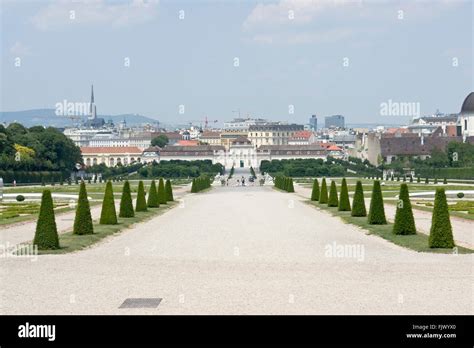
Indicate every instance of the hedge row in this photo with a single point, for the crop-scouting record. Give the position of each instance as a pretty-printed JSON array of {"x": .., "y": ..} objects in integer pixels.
[
  {"x": 441, "y": 235},
  {"x": 284, "y": 183},
  {"x": 201, "y": 183},
  {"x": 23, "y": 177}
]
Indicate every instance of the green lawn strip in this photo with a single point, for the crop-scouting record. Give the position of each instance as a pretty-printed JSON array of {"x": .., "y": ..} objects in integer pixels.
[
  {"x": 430, "y": 210},
  {"x": 417, "y": 242},
  {"x": 29, "y": 217},
  {"x": 70, "y": 242}
]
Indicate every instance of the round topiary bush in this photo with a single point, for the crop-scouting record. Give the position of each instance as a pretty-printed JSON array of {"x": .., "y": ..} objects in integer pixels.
[
  {"x": 460, "y": 195},
  {"x": 20, "y": 198}
]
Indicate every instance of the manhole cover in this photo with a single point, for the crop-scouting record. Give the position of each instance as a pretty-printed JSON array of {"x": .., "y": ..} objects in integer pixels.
[{"x": 141, "y": 303}]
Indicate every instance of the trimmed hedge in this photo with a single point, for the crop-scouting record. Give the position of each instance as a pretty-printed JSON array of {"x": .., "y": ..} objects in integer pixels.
[
  {"x": 315, "y": 191},
  {"x": 333, "y": 201},
  {"x": 344, "y": 203},
  {"x": 404, "y": 221},
  {"x": 108, "y": 215},
  {"x": 46, "y": 233},
  {"x": 358, "y": 203},
  {"x": 153, "y": 201},
  {"x": 126, "y": 204},
  {"x": 441, "y": 233},
  {"x": 140, "y": 204},
  {"x": 169, "y": 191},
  {"x": 377, "y": 211},
  {"x": 161, "y": 192},
  {"x": 83, "y": 219},
  {"x": 323, "y": 195}
]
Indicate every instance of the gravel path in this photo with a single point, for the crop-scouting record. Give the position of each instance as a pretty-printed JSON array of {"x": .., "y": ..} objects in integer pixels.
[
  {"x": 463, "y": 230},
  {"x": 241, "y": 250}
]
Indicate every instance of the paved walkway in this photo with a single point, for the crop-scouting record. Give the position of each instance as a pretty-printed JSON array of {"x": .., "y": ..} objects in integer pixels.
[
  {"x": 463, "y": 230},
  {"x": 241, "y": 250}
]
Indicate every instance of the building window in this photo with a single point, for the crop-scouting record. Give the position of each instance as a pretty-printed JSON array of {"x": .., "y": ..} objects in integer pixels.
[{"x": 465, "y": 124}]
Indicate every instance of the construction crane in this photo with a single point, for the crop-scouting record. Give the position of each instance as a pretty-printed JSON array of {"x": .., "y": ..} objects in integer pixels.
[{"x": 206, "y": 122}]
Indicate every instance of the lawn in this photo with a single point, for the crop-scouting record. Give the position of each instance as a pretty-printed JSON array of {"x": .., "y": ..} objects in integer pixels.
[
  {"x": 459, "y": 207},
  {"x": 417, "y": 242},
  {"x": 15, "y": 212},
  {"x": 70, "y": 242}
]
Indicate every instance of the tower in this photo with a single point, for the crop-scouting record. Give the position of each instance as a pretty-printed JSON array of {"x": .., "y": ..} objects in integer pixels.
[{"x": 92, "y": 107}]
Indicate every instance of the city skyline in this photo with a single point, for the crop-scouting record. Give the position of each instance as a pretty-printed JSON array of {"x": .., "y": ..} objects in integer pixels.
[{"x": 280, "y": 60}]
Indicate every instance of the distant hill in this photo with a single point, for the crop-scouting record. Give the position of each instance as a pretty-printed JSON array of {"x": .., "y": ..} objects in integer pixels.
[{"x": 47, "y": 117}]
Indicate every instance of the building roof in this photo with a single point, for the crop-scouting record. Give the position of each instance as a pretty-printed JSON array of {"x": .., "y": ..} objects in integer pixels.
[
  {"x": 276, "y": 127},
  {"x": 152, "y": 149},
  {"x": 209, "y": 134},
  {"x": 437, "y": 119},
  {"x": 111, "y": 150},
  {"x": 241, "y": 141},
  {"x": 196, "y": 148},
  {"x": 187, "y": 143},
  {"x": 468, "y": 104},
  {"x": 311, "y": 147},
  {"x": 304, "y": 134}
]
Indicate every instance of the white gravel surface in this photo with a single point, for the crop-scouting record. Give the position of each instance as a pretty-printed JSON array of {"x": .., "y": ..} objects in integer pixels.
[{"x": 240, "y": 250}]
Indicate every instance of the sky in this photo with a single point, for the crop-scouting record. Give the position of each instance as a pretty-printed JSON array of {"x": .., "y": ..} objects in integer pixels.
[{"x": 180, "y": 61}]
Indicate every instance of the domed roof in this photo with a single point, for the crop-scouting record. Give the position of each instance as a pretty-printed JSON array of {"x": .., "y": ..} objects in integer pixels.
[{"x": 468, "y": 105}]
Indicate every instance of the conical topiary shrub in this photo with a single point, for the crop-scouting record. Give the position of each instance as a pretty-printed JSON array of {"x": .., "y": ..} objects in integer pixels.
[
  {"x": 358, "y": 203},
  {"x": 46, "y": 234},
  {"x": 404, "y": 221},
  {"x": 140, "y": 204},
  {"x": 333, "y": 201},
  {"x": 153, "y": 201},
  {"x": 126, "y": 204},
  {"x": 315, "y": 191},
  {"x": 161, "y": 191},
  {"x": 290, "y": 187},
  {"x": 169, "y": 191},
  {"x": 194, "y": 186},
  {"x": 83, "y": 219},
  {"x": 377, "y": 211},
  {"x": 344, "y": 203},
  {"x": 323, "y": 196},
  {"x": 108, "y": 215},
  {"x": 441, "y": 233}
]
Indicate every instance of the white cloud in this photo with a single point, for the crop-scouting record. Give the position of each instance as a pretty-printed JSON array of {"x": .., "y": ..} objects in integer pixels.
[
  {"x": 60, "y": 13},
  {"x": 19, "y": 50},
  {"x": 325, "y": 21},
  {"x": 293, "y": 12},
  {"x": 305, "y": 37}
]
